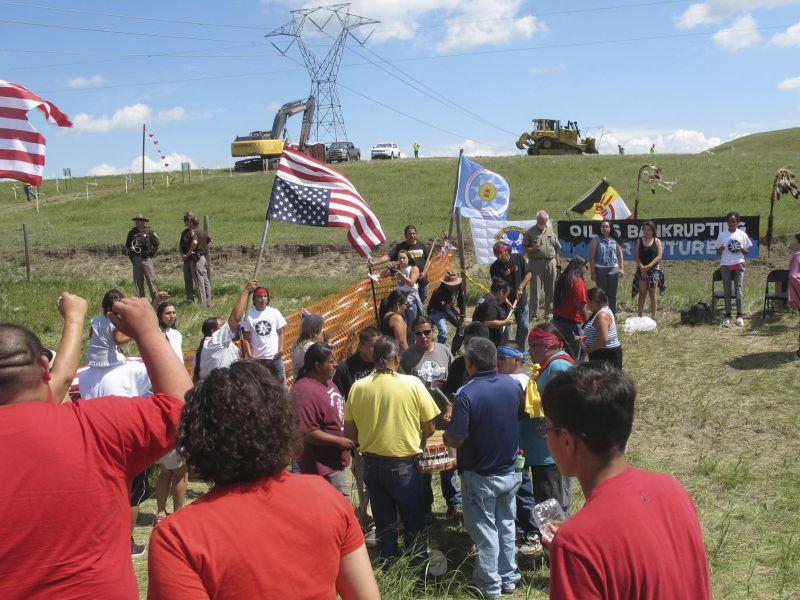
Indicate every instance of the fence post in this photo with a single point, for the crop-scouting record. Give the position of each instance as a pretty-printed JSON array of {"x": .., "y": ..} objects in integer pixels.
[{"x": 27, "y": 253}]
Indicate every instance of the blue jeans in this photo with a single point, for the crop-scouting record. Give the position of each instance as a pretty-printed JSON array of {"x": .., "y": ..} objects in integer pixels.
[
  {"x": 450, "y": 490},
  {"x": 489, "y": 512},
  {"x": 276, "y": 367},
  {"x": 414, "y": 310},
  {"x": 521, "y": 323},
  {"x": 441, "y": 319},
  {"x": 395, "y": 485},
  {"x": 525, "y": 503}
]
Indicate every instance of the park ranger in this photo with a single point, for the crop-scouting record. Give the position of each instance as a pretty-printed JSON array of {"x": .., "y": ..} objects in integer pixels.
[{"x": 141, "y": 246}]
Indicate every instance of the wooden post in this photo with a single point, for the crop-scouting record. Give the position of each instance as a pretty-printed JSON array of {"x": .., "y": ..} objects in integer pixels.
[
  {"x": 208, "y": 250},
  {"x": 57, "y": 191},
  {"x": 87, "y": 191},
  {"x": 374, "y": 295},
  {"x": 144, "y": 130},
  {"x": 201, "y": 175},
  {"x": 27, "y": 253},
  {"x": 13, "y": 187},
  {"x": 455, "y": 195},
  {"x": 461, "y": 261}
]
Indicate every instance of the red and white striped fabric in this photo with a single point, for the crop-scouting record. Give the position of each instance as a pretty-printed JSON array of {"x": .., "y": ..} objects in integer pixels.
[
  {"x": 308, "y": 192},
  {"x": 21, "y": 145}
]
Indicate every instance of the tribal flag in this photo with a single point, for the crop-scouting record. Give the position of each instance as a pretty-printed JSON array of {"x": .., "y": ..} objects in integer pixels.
[
  {"x": 486, "y": 233},
  {"x": 602, "y": 202},
  {"x": 21, "y": 145},
  {"x": 308, "y": 192},
  {"x": 480, "y": 193}
]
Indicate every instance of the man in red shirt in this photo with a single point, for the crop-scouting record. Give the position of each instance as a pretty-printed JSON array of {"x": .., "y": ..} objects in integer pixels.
[
  {"x": 637, "y": 537},
  {"x": 67, "y": 468}
]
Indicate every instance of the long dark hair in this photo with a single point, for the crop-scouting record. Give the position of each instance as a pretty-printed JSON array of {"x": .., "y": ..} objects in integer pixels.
[
  {"x": 161, "y": 308},
  {"x": 315, "y": 355},
  {"x": 567, "y": 279},
  {"x": 110, "y": 297},
  {"x": 208, "y": 327},
  {"x": 388, "y": 303}
]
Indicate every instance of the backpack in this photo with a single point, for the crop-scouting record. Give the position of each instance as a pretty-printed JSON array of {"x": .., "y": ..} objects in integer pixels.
[{"x": 696, "y": 313}]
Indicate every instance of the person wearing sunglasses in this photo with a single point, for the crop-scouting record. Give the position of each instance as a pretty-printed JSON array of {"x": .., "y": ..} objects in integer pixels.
[
  {"x": 430, "y": 361},
  {"x": 638, "y": 534}
]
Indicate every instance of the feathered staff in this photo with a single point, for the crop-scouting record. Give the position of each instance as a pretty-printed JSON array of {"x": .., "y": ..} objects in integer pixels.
[
  {"x": 783, "y": 183},
  {"x": 651, "y": 175}
]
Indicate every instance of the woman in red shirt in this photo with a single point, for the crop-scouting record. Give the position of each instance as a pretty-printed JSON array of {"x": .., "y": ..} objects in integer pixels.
[
  {"x": 569, "y": 304},
  {"x": 261, "y": 532}
]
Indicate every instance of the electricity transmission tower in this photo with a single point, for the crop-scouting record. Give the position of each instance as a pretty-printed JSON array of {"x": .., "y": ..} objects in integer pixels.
[{"x": 335, "y": 23}]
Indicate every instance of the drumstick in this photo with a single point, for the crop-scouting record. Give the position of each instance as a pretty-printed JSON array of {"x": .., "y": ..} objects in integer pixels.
[
  {"x": 511, "y": 312},
  {"x": 430, "y": 256}
]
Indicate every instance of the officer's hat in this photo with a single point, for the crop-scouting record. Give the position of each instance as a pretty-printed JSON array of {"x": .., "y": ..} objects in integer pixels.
[{"x": 140, "y": 217}]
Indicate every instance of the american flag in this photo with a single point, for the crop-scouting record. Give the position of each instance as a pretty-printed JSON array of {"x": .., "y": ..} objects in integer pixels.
[
  {"x": 21, "y": 146},
  {"x": 308, "y": 192}
]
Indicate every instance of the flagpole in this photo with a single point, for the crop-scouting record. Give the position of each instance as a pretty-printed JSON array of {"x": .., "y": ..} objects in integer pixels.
[
  {"x": 461, "y": 262},
  {"x": 455, "y": 195},
  {"x": 261, "y": 247},
  {"x": 144, "y": 129},
  {"x": 374, "y": 295}
]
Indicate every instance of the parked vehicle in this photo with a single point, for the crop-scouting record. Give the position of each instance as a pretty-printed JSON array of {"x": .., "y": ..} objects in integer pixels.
[
  {"x": 343, "y": 152},
  {"x": 386, "y": 150}
]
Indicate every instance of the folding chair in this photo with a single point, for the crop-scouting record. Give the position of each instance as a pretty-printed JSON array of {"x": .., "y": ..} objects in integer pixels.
[
  {"x": 780, "y": 292},
  {"x": 716, "y": 295}
]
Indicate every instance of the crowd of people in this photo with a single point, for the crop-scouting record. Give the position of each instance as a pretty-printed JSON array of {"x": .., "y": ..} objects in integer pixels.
[{"x": 527, "y": 407}]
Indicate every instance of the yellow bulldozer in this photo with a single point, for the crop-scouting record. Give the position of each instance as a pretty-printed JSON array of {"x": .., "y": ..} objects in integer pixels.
[{"x": 550, "y": 137}]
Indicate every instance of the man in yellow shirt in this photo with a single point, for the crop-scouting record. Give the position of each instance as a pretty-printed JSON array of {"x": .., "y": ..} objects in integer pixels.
[{"x": 390, "y": 415}]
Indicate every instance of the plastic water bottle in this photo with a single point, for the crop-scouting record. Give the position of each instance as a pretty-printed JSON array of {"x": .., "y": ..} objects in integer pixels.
[{"x": 519, "y": 461}]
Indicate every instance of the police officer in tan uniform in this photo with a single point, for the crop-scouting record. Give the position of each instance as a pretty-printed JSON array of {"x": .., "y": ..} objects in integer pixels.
[
  {"x": 194, "y": 245},
  {"x": 141, "y": 246},
  {"x": 543, "y": 249}
]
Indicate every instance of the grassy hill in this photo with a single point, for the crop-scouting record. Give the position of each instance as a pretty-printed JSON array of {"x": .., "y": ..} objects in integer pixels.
[
  {"x": 717, "y": 408},
  {"x": 769, "y": 142}
]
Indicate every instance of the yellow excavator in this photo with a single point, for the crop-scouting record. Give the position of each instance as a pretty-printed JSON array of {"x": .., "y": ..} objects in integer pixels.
[
  {"x": 268, "y": 145},
  {"x": 550, "y": 137}
]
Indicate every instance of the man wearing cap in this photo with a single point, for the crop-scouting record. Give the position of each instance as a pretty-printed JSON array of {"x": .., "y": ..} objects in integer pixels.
[
  {"x": 543, "y": 249},
  {"x": 194, "y": 245},
  {"x": 447, "y": 304},
  {"x": 141, "y": 246},
  {"x": 513, "y": 269}
]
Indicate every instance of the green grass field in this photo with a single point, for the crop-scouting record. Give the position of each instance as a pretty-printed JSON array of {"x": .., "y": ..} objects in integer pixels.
[{"x": 717, "y": 408}]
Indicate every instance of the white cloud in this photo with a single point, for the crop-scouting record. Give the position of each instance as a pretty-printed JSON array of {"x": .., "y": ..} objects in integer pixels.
[
  {"x": 789, "y": 84},
  {"x": 549, "y": 69},
  {"x": 742, "y": 34},
  {"x": 790, "y": 37},
  {"x": 466, "y": 24},
  {"x": 474, "y": 148},
  {"x": 484, "y": 22},
  {"x": 127, "y": 117},
  {"x": 174, "y": 159},
  {"x": 177, "y": 113},
  {"x": 637, "y": 141},
  {"x": 84, "y": 82},
  {"x": 714, "y": 11}
]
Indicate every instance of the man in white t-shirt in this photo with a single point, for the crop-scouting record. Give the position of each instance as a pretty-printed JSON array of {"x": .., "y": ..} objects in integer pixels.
[
  {"x": 218, "y": 350},
  {"x": 263, "y": 328},
  {"x": 732, "y": 246}
]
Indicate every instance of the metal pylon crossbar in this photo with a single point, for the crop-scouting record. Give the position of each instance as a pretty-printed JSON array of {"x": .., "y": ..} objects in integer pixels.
[{"x": 337, "y": 24}]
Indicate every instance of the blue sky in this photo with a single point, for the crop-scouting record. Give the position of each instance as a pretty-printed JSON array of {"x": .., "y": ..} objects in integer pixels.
[{"x": 682, "y": 75}]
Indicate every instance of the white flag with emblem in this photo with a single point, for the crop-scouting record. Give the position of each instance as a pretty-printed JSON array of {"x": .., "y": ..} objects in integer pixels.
[{"x": 485, "y": 234}]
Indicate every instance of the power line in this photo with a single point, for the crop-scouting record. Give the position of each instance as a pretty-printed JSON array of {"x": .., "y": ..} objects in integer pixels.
[
  {"x": 484, "y": 52},
  {"x": 115, "y": 31},
  {"x": 130, "y": 17}
]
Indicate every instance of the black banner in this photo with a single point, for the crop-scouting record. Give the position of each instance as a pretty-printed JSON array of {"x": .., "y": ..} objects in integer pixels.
[{"x": 690, "y": 238}]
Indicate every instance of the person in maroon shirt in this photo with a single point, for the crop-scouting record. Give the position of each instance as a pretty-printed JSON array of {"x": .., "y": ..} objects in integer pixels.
[
  {"x": 67, "y": 467},
  {"x": 569, "y": 304},
  {"x": 638, "y": 536},
  {"x": 320, "y": 416}
]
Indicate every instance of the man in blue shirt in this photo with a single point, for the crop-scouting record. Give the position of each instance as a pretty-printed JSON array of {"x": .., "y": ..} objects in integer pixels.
[{"x": 485, "y": 431}]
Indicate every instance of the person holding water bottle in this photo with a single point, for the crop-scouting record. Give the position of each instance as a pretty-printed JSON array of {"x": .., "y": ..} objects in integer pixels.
[{"x": 638, "y": 535}]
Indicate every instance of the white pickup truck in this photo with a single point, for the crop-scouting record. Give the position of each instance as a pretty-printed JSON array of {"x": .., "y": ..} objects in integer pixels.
[{"x": 385, "y": 150}]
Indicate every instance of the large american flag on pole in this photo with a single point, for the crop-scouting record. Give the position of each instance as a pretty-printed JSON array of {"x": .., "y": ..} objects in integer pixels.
[
  {"x": 21, "y": 145},
  {"x": 308, "y": 192}
]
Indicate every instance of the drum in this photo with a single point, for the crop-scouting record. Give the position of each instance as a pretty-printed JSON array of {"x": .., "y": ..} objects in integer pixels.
[{"x": 437, "y": 457}]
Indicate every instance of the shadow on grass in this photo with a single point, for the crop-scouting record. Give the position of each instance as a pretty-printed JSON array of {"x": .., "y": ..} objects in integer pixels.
[{"x": 761, "y": 360}]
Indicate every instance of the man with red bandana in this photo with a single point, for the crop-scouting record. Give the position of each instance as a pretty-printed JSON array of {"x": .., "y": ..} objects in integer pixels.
[{"x": 513, "y": 269}]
